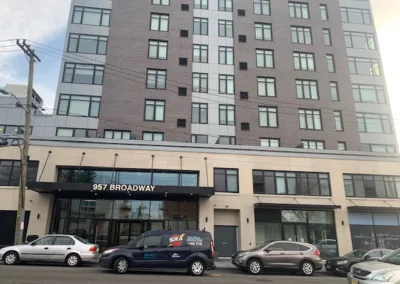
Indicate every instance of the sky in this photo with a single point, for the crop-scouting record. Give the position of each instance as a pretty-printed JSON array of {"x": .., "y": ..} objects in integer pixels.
[{"x": 44, "y": 22}]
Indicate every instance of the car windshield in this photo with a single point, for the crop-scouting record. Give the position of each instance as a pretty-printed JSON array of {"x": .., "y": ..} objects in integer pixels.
[
  {"x": 393, "y": 257},
  {"x": 260, "y": 246},
  {"x": 132, "y": 242},
  {"x": 81, "y": 240},
  {"x": 357, "y": 253}
]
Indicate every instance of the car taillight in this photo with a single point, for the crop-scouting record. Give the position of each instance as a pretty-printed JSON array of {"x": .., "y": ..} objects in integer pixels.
[
  {"x": 317, "y": 252},
  {"x": 93, "y": 249},
  {"x": 212, "y": 249}
]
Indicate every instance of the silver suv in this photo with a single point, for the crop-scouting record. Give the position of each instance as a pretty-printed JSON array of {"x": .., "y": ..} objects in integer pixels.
[
  {"x": 279, "y": 255},
  {"x": 384, "y": 271}
]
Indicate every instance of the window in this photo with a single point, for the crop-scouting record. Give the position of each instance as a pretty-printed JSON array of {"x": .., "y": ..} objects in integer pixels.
[
  {"x": 310, "y": 119},
  {"x": 301, "y": 35},
  {"x": 159, "y": 22},
  {"x": 160, "y": 2},
  {"x": 270, "y": 142},
  {"x": 153, "y": 136},
  {"x": 154, "y": 110},
  {"x": 377, "y": 148},
  {"x": 307, "y": 89},
  {"x": 87, "y": 44},
  {"x": 338, "y": 120},
  {"x": 197, "y": 138},
  {"x": 262, "y": 7},
  {"x": 199, "y": 113},
  {"x": 226, "y": 114},
  {"x": 91, "y": 16},
  {"x": 324, "y": 12},
  {"x": 355, "y": 16},
  {"x": 152, "y": 241},
  {"x": 64, "y": 241},
  {"x": 200, "y": 82},
  {"x": 369, "y": 94},
  {"x": 78, "y": 105},
  {"x": 200, "y": 53},
  {"x": 263, "y": 31},
  {"x": 226, "y": 84},
  {"x": 45, "y": 241},
  {"x": 227, "y": 140},
  {"x": 315, "y": 145},
  {"x": 291, "y": 183},
  {"x": 375, "y": 186},
  {"x": 226, "y": 180},
  {"x": 83, "y": 73},
  {"x": 298, "y": 10},
  {"x": 201, "y": 4},
  {"x": 266, "y": 87},
  {"x": 10, "y": 172},
  {"x": 13, "y": 129},
  {"x": 360, "y": 40},
  {"x": 225, "y": 5},
  {"x": 158, "y": 49},
  {"x": 226, "y": 55},
  {"x": 364, "y": 66},
  {"x": 327, "y": 37},
  {"x": 334, "y": 91},
  {"x": 265, "y": 58},
  {"x": 117, "y": 134},
  {"x": 303, "y": 61},
  {"x": 76, "y": 132},
  {"x": 342, "y": 146},
  {"x": 268, "y": 116},
  {"x": 225, "y": 28},
  {"x": 374, "y": 123},
  {"x": 200, "y": 26},
  {"x": 156, "y": 79},
  {"x": 331, "y": 63}
]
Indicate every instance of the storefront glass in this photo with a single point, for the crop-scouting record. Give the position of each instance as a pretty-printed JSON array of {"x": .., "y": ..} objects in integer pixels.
[
  {"x": 114, "y": 222},
  {"x": 315, "y": 227}
]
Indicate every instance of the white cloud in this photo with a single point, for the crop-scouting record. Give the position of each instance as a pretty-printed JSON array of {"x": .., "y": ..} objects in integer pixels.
[{"x": 35, "y": 20}]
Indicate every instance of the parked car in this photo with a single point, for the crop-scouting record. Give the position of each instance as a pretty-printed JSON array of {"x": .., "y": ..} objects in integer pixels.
[
  {"x": 384, "y": 271},
  {"x": 327, "y": 247},
  {"x": 342, "y": 265},
  {"x": 189, "y": 251},
  {"x": 279, "y": 255},
  {"x": 72, "y": 250}
]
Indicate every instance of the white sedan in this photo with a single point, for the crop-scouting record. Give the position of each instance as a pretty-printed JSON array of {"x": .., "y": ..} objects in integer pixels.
[{"x": 71, "y": 250}]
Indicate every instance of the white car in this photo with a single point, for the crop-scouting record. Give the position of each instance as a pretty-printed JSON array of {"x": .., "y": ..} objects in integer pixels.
[{"x": 68, "y": 249}]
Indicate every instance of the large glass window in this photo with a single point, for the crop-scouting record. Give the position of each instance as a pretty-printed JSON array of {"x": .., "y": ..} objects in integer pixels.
[
  {"x": 78, "y": 105},
  {"x": 154, "y": 110},
  {"x": 266, "y": 87},
  {"x": 160, "y": 2},
  {"x": 330, "y": 61},
  {"x": 268, "y": 116},
  {"x": 225, "y": 28},
  {"x": 374, "y": 123},
  {"x": 313, "y": 144},
  {"x": 303, "y": 61},
  {"x": 159, "y": 22},
  {"x": 76, "y": 132},
  {"x": 338, "y": 120},
  {"x": 117, "y": 134},
  {"x": 200, "y": 82},
  {"x": 364, "y": 66},
  {"x": 291, "y": 183},
  {"x": 307, "y": 89},
  {"x": 327, "y": 37},
  {"x": 10, "y": 172},
  {"x": 201, "y": 4},
  {"x": 265, "y": 58},
  {"x": 372, "y": 186},
  {"x": 13, "y": 129},
  {"x": 200, "y": 53},
  {"x": 225, "y": 5},
  {"x": 369, "y": 94},
  {"x": 87, "y": 44},
  {"x": 156, "y": 79},
  {"x": 200, "y": 26},
  {"x": 310, "y": 119},
  {"x": 91, "y": 16},
  {"x": 199, "y": 138},
  {"x": 301, "y": 35},
  {"x": 359, "y": 40},
  {"x": 334, "y": 90},
  {"x": 298, "y": 10},
  {"x": 324, "y": 12},
  {"x": 262, "y": 7},
  {"x": 226, "y": 114},
  {"x": 226, "y": 180},
  {"x": 355, "y": 16},
  {"x": 270, "y": 142},
  {"x": 158, "y": 49},
  {"x": 227, "y": 84},
  {"x": 225, "y": 55},
  {"x": 378, "y": 148},
  {"x": 153, "y": 136},
  {"x": 263, "y": 31},
  {"x": 199, "y": 113},
  {"x": 83, "y": 73}
]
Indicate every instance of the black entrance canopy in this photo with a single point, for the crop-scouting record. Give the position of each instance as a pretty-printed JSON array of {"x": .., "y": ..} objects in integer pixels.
[
  {"x": 376, "y": 209},
  {"x": 295, "y": 206},
  {"x": 131, "y": 190}
]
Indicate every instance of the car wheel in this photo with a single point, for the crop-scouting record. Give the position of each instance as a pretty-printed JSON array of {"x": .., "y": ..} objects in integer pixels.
[
  {"x": 11, "y": 258},
  {"x": 254, "y": 266},
  {"x": 73, "y": 260},
  {"x": 307, "y": 268},
  {"x": 196, "y": 268},
  {"x": 121, "y": 265}
]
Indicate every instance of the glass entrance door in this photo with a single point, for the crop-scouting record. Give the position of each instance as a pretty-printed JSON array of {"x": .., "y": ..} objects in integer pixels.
[
  {"x": 101, "y": 233},
  {"x": 127, "y": 231},
  {"x": 295, "y": 232}
]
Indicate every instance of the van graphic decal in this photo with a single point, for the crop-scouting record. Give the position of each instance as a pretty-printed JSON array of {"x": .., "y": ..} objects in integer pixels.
[{"x": 176, "y": 240}]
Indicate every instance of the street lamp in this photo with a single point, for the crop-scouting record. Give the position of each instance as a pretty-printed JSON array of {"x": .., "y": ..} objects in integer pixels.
[{"x": 19, "y": 224}]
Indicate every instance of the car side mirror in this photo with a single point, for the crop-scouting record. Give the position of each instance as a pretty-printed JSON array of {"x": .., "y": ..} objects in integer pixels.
[
  {"x": 367, "y": 257},
  {"x": 267, "y": 250}
]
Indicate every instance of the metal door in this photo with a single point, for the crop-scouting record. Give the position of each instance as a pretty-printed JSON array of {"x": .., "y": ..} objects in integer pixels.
[{"x": 225, "y": 238}]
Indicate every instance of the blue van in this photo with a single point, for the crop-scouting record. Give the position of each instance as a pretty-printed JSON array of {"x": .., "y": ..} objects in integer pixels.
[{"x": 190, "y": 251}]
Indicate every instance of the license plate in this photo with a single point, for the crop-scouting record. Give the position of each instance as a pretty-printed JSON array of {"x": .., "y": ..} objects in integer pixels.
[
  {"x": 328, "y": 267},
  {"x": 354, "y": 281}
]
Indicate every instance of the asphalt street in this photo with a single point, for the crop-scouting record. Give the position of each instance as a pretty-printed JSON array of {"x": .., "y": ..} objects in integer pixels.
[{"x": 51, "y": 274}]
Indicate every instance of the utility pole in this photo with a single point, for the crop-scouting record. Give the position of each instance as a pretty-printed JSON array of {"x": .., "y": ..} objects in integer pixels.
[{"x": 20, "y": 220}]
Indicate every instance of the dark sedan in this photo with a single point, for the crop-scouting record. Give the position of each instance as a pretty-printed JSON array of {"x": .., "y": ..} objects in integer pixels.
[{"x": 342, "y": 265}]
